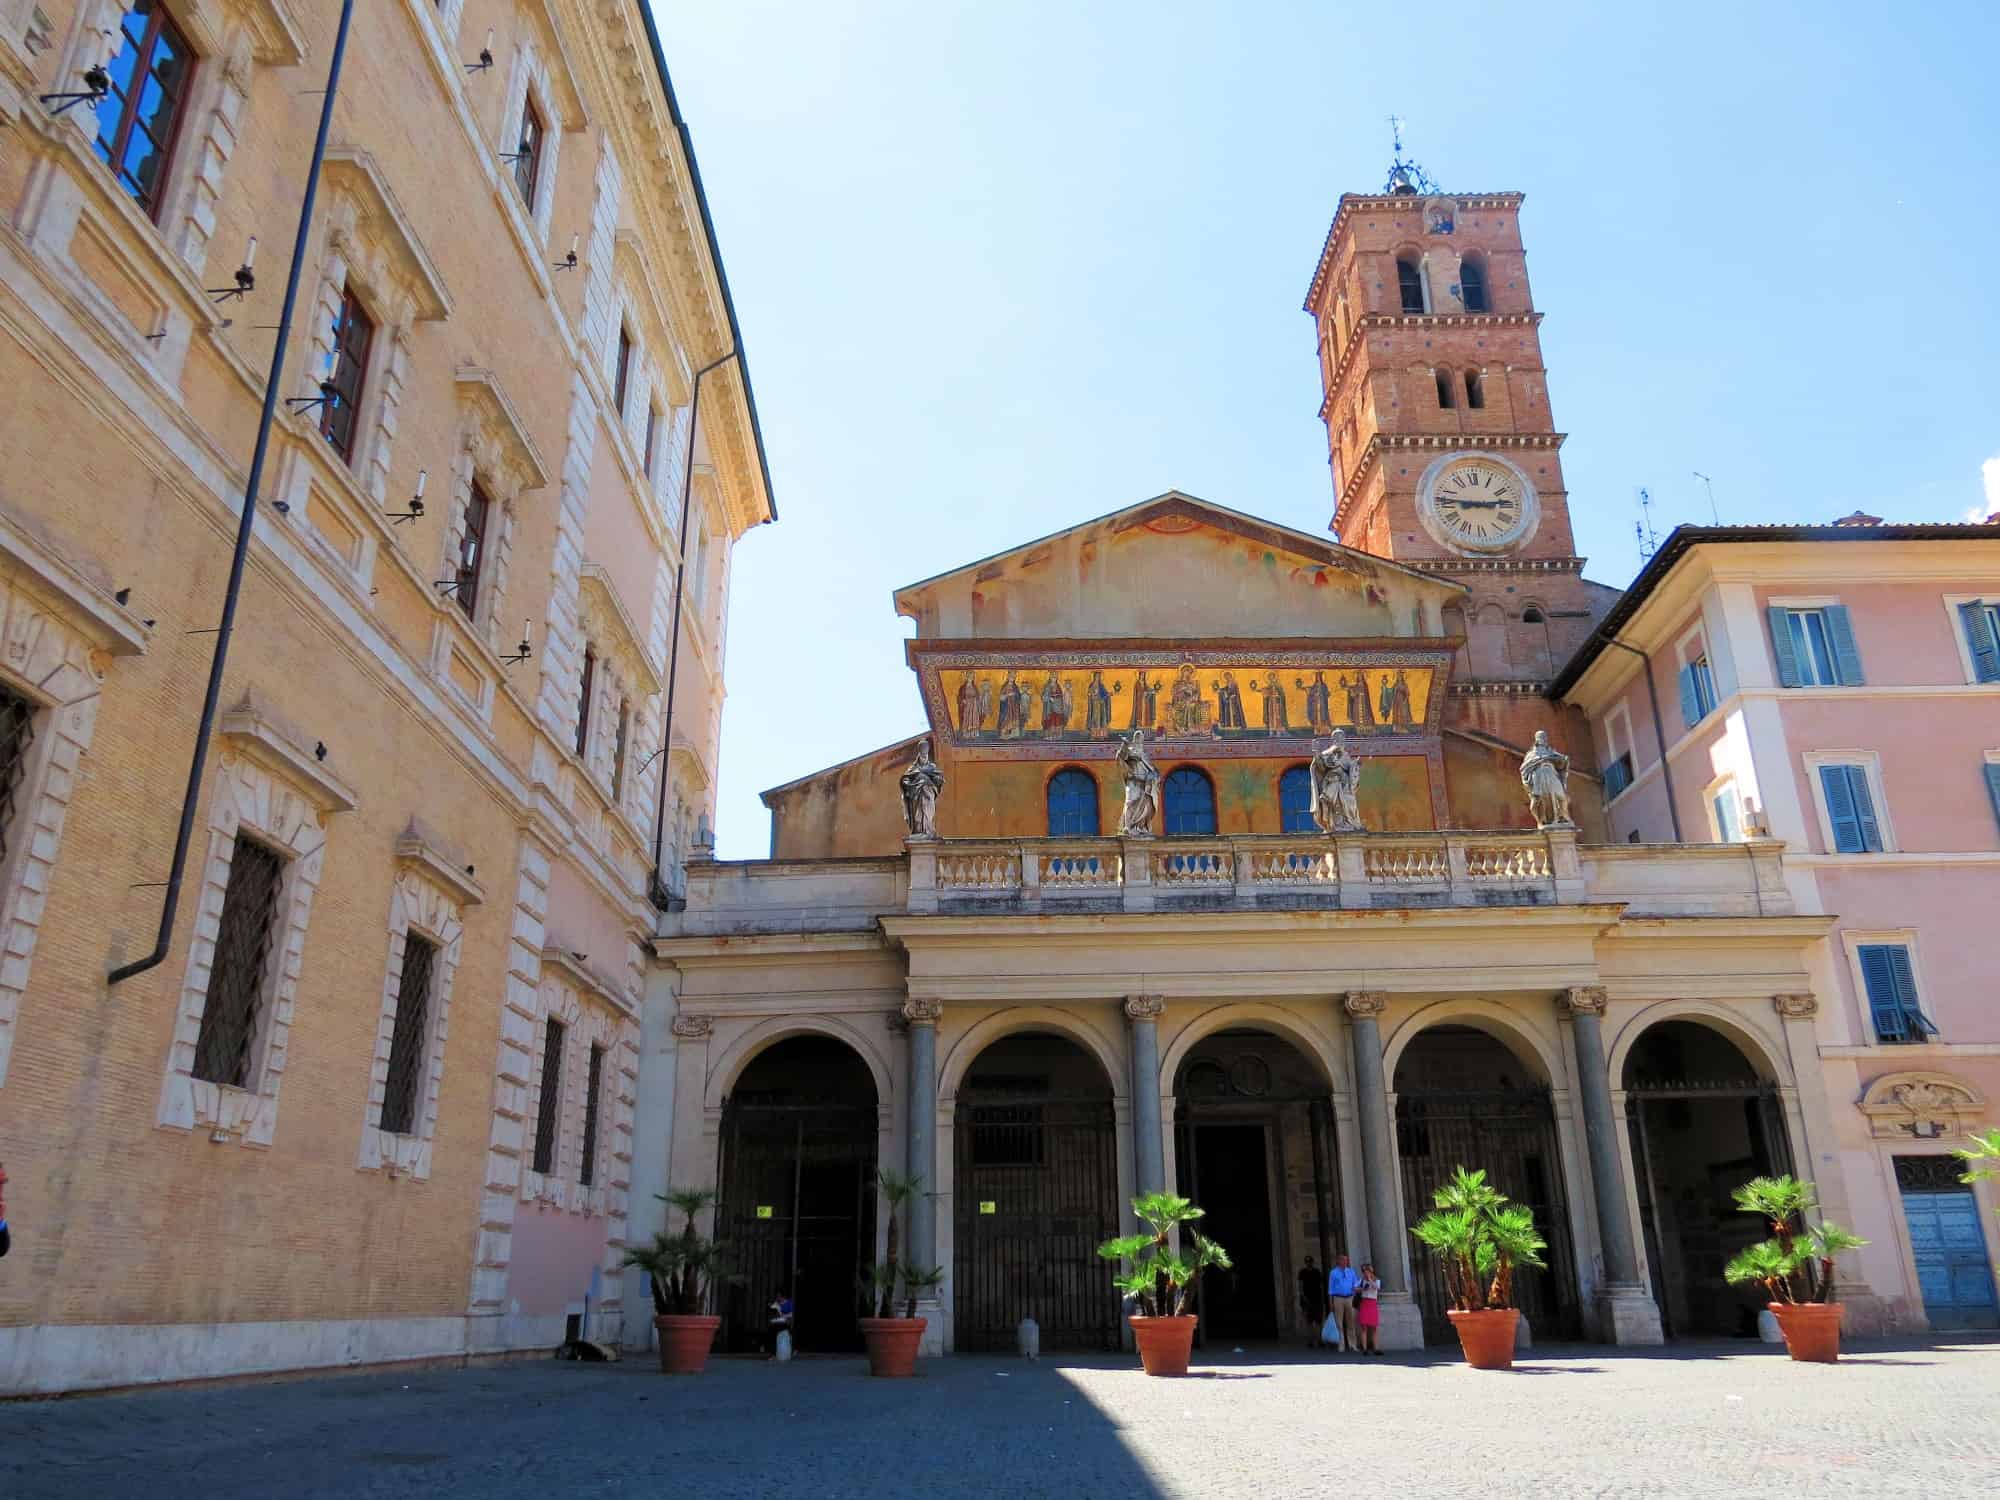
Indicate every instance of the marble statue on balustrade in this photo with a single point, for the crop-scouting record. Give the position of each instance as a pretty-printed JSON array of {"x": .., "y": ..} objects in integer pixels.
[
  {"x": 923, "y": 783},
  {"x": 1336, "y": 787},
  {"x": 1545, "y": 775},
  {"x": 1142, "y": 786}
]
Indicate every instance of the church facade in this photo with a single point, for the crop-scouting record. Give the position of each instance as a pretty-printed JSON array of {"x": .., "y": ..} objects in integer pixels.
[{"x": 1046, "y": 1005}]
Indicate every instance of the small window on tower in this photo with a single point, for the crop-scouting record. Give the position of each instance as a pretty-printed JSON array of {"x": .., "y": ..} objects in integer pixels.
[
  {"x": 1444, "y": 390},
  {"x": 1410, "y": 279},
  {"x": 1475, "y": 390},
  {"x": 1472, "y": 285},
  {"x": 1532, "y": 615}
]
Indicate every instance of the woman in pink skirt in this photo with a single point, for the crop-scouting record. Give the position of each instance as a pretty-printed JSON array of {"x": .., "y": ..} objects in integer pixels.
[{"x": 1367, "y": 1310}]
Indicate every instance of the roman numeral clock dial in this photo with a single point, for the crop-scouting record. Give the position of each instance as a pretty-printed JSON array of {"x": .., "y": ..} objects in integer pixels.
[{"x": 1477, "y": 502}]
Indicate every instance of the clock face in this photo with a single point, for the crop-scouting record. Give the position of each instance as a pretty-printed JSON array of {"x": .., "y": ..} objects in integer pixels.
[{"x": 1477, "y": 502}]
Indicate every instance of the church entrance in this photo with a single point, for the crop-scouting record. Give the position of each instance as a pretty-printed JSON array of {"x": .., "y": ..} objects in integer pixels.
[
  {"x": 1702, "y": 1122},
  {"x": 1254, "y": 1149},
  {"x": 797, "y": 1193},
  {"x": 1034, "y": 1193},
  {"x": 1463, "y": 1099}
]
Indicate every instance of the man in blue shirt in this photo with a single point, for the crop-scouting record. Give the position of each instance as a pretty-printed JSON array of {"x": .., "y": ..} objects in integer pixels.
[{"x": 1341, "y": 1284}]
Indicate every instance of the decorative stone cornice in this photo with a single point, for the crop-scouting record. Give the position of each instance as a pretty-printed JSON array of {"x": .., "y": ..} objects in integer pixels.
[
  {"x": 418, "y": 848},
  {"x": 693, "y": 1028},
  {"x": 1921, "y": 1105},
  {"x": 254, "y": 732},
  {"x": 1584, "y": 999},
  {"x": 1144, "y": 1007},
  {"x": 1795, "y": 1007},
  {"x": 1361, "y": 1003},
  {"x": 923, "y": 1012}
]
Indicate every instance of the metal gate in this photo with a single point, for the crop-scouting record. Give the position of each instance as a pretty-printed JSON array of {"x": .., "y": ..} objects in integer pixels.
[
  {"x": 797, "y": 1210},
  {"x": 1034, "y": 1192},
  {"x": 1512, "y": 1134}
]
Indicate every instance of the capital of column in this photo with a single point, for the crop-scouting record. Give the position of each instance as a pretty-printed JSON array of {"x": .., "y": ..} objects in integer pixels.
[
  {"x": 1366, "y": 1002},
  {"x": 693, "y": 1028},
  {"x": 923, "y": 1012},
  {"x": 1584, "y": 999},
  {"x": 1144, "y": 1007},
  {"x": 1795, "y": 1007}
]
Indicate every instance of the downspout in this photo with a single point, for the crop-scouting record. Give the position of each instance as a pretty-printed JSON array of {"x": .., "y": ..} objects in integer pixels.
[
  {"x": 198, "y": 766},
  {"x": 657, "y": 892},
  {"x": 1659, "y": 734}
]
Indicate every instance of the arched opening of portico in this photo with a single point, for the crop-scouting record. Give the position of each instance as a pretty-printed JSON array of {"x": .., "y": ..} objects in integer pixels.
[
  {"x": 796, "y": 1178},
  {"x": 1703, "y": 1120},
  {"x": 1463, "y": 1098},
  {"x": 1034, "y": 1193},
  {"x": 1255, "y": 1148}
]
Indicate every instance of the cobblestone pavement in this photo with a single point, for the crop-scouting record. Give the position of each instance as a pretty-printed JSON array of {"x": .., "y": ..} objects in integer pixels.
[{"x": 1721, "y": 1420}]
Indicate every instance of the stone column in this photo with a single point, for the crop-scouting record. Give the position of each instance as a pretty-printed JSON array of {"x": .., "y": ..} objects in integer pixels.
[
  {"x": 922, "y": 1251},
  {"x": 1627, "y": 1313},
  {"x": 1402, "y": 1322},
  {"x": 1149, "y": 1162}
]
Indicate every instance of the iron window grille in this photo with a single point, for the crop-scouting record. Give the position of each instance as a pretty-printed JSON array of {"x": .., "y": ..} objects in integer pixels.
[
  {"x": 618, "y": 741},
  {"x": 549, "y": 1110},
  {"x": 404, "y": 1086},
  {"x": 353, "y": 333},
  {"x": 138, "y": 125},
  {"x": 528, "y": 155},
  {"x": 17, "y": 735},
  {"x": 472, "y": 549},
  {"x": 236, "y": 972},
  {"x": 586, "y": 1172}
]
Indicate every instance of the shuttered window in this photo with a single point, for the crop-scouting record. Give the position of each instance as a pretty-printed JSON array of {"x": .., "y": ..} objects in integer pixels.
[
  {"x": 1697, "y": 684},
  {"x": 1815, "y": 647},
  {"x": 1618, "y": 775},
  {"x": 1728, "y": 816},
  {"x": 404, "y": 1086},
  {"x": 1992, "y": 770},
  {"x": 1981, "y": 621},
  {"x": 592, "y": 1085},
  {"x": 549, "y": 1110},
  {"x": 236, "y": 972},
  {"x": 1850, "y": 809},
  {"x": 1892, "y": 994}
]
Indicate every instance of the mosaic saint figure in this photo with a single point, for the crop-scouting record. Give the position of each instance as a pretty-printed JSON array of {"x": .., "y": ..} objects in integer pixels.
[
  {"x": 1013, "y": 708},
  {"x": 1275, "y": 721},
  {"x": 1359, "y": 712},
  {"x": 922, "y": 784},
  {"x": 1396, "y": 700},
  {"x": 1190, "y": 714},
  {"x": 1336, "y": 787},
  {"x": 1142, "y": 787},
  {"x": 1545, "y": 775},
  {"x": 1229, "y": 704},
  {"x": 1319, "y": 702},
  {"x": 1145, "y": 702},
  {"x": 1097, "y": 705},
  {"x": 1056, "y": 704},
  {"x": 972, "y": 704}
]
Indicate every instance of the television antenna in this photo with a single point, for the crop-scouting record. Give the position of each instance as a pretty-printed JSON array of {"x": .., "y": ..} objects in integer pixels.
[{"x": 1649, "y": 541}]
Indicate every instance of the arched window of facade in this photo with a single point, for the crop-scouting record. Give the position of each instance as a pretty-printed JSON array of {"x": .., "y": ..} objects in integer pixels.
[
  {"x": 1295, "y": 801},
  {"x": 1072, "y": 804},
  {"x": 1475, "y": 390},
  {"x": 1472, "y": 285},
  {"x": 1444, "y": 390},
  {"x": 1410, "y": 280},
  {"x": 1190, "y": 802}
]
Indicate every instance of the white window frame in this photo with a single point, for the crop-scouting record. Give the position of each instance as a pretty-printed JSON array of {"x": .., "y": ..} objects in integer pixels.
[
  {"x": 1853, "y": 940},
  {"x": 572, "y": 997},
  {"x": 1957, "y": 627},
  {"x": 1714, "y": 792},
  {"x": 1689, "y": 649},
  {"x": 530, "y": 78},
  {"x": 1617, "y": 717},
  {"x": 1870, "y": 762},
  {"x": 1806, "y": 604}
]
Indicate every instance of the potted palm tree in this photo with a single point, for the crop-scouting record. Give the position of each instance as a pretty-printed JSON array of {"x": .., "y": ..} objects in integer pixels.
[
  {"x": 1163, "y": 1280},
  {"x": 893, "y": 1341},
  {"x": 680, "y": 1269},
  {"x": 1794, "y": 1266},
  {"x": 1479, "y": 1238}
]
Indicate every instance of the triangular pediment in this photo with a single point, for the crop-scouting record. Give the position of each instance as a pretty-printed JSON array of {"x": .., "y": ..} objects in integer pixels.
[{"x": 1177, "y": 567}]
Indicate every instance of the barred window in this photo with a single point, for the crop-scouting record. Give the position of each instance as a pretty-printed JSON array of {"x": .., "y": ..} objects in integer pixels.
[
  {"x": 17, "y": 733},
  {"x": 405, "y": 1085},
  {"x": 587, "y": 1173},
  {"x": 618, "y": 750},
  {"x": 551, "y": 1105},
  {"x": 236, "y": 973}
]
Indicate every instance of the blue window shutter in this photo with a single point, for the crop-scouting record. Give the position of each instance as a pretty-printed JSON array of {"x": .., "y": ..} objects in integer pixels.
[
  {"x": 1885, "y": 1001},
  {"x": 1979, "y": 636},
  {"x": 1840, "y": 810},
  {"x": 1864, "y": 809},
  {"x": 1993, "y": 786},
  {"x": 1846, "y": 655},
  {"x": 1690, "y": 700},
  {"x": 1781, "y": 646},
  {"x": 1915, "y": 1023}
]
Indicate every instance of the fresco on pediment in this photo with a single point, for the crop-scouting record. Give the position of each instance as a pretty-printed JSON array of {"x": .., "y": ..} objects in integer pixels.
[{"x": 1248, "y": 702}]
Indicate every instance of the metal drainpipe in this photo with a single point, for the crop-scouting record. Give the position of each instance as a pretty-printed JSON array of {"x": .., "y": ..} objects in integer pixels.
[
  {"x": 199, "y": 765},
  {"x": 1659, "y": 734},
  {"x": 662, "y": 898}
]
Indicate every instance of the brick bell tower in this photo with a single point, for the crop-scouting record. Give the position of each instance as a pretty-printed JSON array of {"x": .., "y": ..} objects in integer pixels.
[{"x": 1443, "y": 449}]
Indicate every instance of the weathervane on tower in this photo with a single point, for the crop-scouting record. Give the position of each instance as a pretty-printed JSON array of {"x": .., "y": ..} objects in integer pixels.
[{"x": 1405, "y": 177}]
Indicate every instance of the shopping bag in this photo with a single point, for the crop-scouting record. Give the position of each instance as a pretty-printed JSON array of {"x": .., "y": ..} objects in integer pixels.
[{"x": 1329, "y": 1332}]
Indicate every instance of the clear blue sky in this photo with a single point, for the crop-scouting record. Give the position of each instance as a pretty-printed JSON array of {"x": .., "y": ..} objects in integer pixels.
[{"x": 1004, "y": 267}]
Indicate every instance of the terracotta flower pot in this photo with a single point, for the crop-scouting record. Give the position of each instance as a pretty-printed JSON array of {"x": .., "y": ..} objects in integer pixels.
[
  {"x": 892, "y": 1344},
  {"x": 1164, "y": 1343},
  {"x": 1487, "y": 1336},
  {"x": 685, "y": 1340},
  {"x": 1811, "y": 1330}
]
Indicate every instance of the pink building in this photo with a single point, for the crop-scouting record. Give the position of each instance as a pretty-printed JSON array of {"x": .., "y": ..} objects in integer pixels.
[{"x": 1837, "y": 689}]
